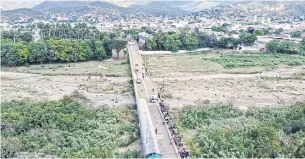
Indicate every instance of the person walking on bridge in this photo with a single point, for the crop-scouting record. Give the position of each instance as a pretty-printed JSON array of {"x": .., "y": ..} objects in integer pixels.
[{"x": 156, "y": 131}]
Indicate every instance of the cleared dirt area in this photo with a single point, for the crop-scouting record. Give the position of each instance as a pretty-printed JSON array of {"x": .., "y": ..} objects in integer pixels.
[
  {"x": 110, "y": 68},
  {"x": 86, "y": 79},
  {"x": 204, "y": 79}
]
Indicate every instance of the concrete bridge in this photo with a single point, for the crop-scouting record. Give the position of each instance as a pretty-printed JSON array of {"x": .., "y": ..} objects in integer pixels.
[{"x": 145, "y": 90}]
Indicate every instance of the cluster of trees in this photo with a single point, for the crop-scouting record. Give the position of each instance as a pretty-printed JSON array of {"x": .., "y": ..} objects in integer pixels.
[
  {"x": 297, "y": 34},
  {"x": 66, "y": 129},
  {"x": 17, "y": 36},
  {"x": 222, "y": 28},
  {"x": 191, "y": 41},
  {"x": 226, "y": 132},
  {"x": 78, "y": 31},
  {"x": 57, "y": 50},
  {"x": 59, "y": 43},
  {"x": 283, "y": 46}
]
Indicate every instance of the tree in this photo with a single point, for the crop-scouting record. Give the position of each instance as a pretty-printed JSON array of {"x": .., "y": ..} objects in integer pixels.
[
  {"x": 107, "y": 47},
  {"x": 13, "y": 54},
  {"x": 118, "y": 45},
  {"x": 228, "y": 43},
  {"x": 191, "y": 43},
  {"x": 296, "y": 34},
  {"x": 247, "y": 39},
  {"x": 259, "y": 32},
  {"x": 99, "y": 52},
  {"x": 188, "y": 41},
  {"x": 38, "y": 52},
  {"x": 282, "y": 46},
  {"x": 26, "y": 36},
  {"x": 150, "y": 44},
  {"x": 172, "y": 42},
  {"x": 251, "y": 30},
  {"x": 273, "y": 46},
  {"x": 219, "y": 29},
  {"x": 205, "y": 40}
]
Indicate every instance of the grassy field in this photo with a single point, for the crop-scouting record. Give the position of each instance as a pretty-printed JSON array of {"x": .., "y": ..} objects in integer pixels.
[
  {"x": 267, "y": 61},
  {"x": 109, "y": 68},
  {"x": 66, "y": 129},
  {"x": 226, "y": 132},
  {"x": 209, "y": 62}
]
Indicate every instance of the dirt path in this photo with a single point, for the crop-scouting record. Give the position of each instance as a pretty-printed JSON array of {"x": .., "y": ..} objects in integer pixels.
[
  {"x": 282, "y": 72},
  {"x": 208, "y": 76}
]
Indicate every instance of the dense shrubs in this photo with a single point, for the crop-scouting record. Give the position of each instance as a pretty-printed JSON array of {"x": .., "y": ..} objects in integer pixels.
[
  {"x": 223, "y": 131},
  {"x": 65, "y": 129},
  {"x": 282, "y": 46},
  {"x": 264, "y": 60}
]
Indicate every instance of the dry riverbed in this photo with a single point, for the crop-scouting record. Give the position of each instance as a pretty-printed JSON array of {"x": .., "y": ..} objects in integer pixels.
[
  {"x": 52, "y": 82},
  {"x": 202, "y": 80}
]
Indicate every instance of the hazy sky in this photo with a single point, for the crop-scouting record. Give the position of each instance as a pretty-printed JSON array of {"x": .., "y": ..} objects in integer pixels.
[{"x": 14, "y": 4}]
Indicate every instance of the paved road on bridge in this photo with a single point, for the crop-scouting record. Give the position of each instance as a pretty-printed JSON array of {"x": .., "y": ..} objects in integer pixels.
[{"x": 145, "y": 90}]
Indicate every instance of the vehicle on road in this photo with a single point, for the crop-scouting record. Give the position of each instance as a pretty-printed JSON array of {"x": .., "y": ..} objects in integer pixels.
[
  {"x": 153, "y": 99},
  {"x": 138, "y": 81}
]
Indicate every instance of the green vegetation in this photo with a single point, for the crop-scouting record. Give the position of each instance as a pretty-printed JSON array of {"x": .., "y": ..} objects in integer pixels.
[
  {"x": 224, "y": 131},
  {"x": 297, "y": 34},
  {"x": 268, "y": 61},
  {"x": 282, "y": 46},
  {"x": 230, "y": 62},
  {"x": 59, "y": 43},
  {"x": 66, "y": 129},
  {"x": 220, "y": 29},
  {"x": 63, "y": 50},
  {"x": 17, "y": 36},
  {"x": 185, "y": 40}
]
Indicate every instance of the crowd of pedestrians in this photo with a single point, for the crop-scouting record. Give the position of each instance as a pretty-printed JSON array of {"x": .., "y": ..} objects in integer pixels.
[
  {"x": 172, "y": 127},
  {"x": 174, "y": 133}
]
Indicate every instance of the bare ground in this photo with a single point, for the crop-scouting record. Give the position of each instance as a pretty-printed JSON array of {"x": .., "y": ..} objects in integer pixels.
[
  {"x": 42, "y": 83},
  {"x": 110, "y": 68},
  {"x": 193, "y": 82}
]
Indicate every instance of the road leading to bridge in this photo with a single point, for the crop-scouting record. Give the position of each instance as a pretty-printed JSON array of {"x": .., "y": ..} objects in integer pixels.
[{"x": 145, "y": 90}]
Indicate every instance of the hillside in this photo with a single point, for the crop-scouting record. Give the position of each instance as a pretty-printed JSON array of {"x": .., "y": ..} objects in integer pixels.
[
  {"x": 272, "y": 6},
  {"x": 17, "y": 13},
  {"x": 160, "y": 8},
  {"x": 16, "y": 4},
  {"x": 51, "y": 5},
  {"x": 156, "y": 8}
]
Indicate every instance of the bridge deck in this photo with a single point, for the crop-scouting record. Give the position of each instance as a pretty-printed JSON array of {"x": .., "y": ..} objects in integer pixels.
[{"x": 145, "y": 90}]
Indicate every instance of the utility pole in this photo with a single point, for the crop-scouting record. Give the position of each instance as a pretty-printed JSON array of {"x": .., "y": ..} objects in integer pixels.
[{"x": 163, "y": 83}]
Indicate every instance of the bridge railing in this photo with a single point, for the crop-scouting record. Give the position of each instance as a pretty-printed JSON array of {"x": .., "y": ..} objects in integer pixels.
[
  {"x": 134, "y": 76},
  {"x": 167, "y": 126}
]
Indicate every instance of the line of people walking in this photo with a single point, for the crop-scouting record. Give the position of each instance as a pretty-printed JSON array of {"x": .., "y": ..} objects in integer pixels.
[{"x": 173, "y": 130}]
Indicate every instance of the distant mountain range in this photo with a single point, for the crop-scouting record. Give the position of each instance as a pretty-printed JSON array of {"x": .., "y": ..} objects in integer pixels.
[{"x": 171, "y": 8}]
